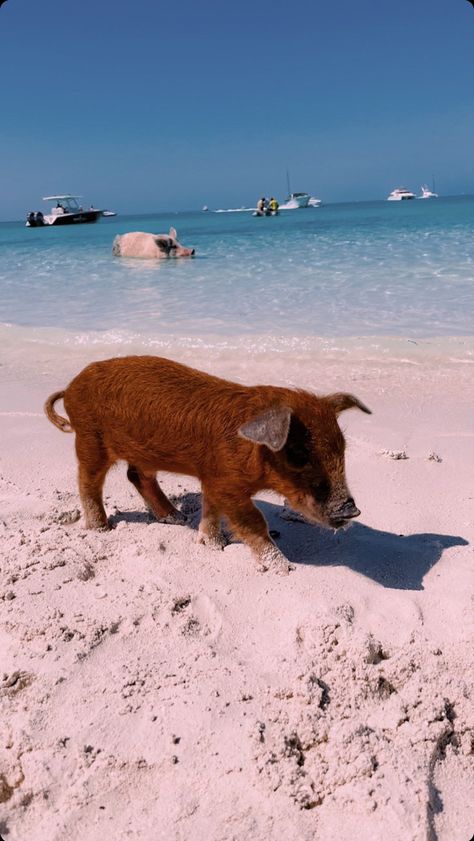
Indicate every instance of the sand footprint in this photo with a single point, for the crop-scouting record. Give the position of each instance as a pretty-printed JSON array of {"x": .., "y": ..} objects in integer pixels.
[{"x": 208, "y": 614}]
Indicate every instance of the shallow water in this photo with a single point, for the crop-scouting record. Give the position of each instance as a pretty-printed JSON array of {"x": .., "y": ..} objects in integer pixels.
[{"x": 365, "y": 269}]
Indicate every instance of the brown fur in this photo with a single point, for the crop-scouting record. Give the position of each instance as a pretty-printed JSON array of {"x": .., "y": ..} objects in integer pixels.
[{"x": 238, "y": 440}]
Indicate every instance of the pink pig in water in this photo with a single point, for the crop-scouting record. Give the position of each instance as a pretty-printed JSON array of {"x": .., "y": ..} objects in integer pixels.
[{"x": 150, "y": 246}]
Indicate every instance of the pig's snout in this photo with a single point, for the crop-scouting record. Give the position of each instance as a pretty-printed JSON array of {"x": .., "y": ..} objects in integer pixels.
[
  {"x": 347, "y": 511},
  {"x": 186, "y": 252}
]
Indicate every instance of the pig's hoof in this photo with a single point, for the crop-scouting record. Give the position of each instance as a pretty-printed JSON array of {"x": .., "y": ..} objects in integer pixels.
[
  {"x": 98, "y": 526},
  {"x": 282, "y": 568},
  {"x": 273, "y": 559},
  {"x": 215, "y": 541},
  {"x": 173, "y": 519}
]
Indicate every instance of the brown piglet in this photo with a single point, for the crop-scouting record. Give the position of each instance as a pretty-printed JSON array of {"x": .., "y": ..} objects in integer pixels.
[{"x": 157, "y": 414}]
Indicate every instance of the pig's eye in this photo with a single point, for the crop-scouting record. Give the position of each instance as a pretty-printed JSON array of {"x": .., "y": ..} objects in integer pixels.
[
  {"x": 297, "y": 446},
  {"x": 321, "y": 490},
  {"x": 297, "y": 453}
]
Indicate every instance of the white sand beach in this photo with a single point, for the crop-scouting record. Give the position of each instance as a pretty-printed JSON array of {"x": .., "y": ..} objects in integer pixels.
[{"x": 155, "y": 689}]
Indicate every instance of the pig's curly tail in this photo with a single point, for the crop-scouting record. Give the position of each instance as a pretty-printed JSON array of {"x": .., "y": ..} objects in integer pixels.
[{"x": 62, "y": 423}]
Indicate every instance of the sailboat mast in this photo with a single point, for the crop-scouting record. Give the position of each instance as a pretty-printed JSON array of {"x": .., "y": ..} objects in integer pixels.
[{"x": 288, "y": 182}]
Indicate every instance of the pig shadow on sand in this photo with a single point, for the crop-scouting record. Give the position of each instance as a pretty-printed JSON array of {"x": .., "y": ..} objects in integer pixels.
[{"x": 395, "y": 561}]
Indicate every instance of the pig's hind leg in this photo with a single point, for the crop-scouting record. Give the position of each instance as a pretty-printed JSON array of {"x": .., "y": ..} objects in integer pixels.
[
  {"x": 94, "y": 463},
  {"x": 157, "y": 501}
]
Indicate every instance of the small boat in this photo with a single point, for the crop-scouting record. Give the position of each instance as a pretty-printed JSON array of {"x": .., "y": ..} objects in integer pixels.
[
  {"x": 205, "y": 208},
  {"x": 266, "y": 207},
  {"x": 109, "y": 213},
  {"x": 295, "y": 201},
  {"x": 266, "y": 212},
  {"x": 400, "y": 194},
  {"x": 67, "y": 211},
  {"x": 314, "y": 202},
  {"x": 426, "y": 193}
]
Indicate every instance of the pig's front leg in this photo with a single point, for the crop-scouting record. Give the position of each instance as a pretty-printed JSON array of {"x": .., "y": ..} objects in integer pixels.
[
  {"x": 148, "y": 487},
  {"x": 210, "y": 532},
  {"x": 250, "y": 525}
]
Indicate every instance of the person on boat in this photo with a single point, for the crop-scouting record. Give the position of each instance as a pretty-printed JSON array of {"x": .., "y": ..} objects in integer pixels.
[
  {"x": 261, "y": 206},
  {"x": 273, "y": 205}
]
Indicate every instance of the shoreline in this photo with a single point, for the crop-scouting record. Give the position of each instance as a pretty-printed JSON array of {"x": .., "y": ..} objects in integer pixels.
[
  {"x": 158, "y": 689},
  {"x": 362, "y": 346}
]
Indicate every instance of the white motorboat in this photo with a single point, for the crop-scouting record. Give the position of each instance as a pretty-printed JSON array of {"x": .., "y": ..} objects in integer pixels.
[
  {"x": 109, "y": 213},
  {"x": 295, "y": 201},
  {"x": 426, "y": 193},
  {"x": 314, "y": 202},
  {"x": 66, "y": 211},
  {"x": 400, "y": 194}
]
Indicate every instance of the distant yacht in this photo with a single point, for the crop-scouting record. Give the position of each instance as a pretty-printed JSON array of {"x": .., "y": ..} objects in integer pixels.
[
  {"x": 314, "y": 202},
  {"x": 400, "y": 194},
  {"x": 295, "y": 200},
  {"x": 426, "y": 193}
]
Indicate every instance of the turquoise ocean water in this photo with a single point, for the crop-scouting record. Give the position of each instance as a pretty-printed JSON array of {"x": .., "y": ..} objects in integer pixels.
[{"x": 342, "y": 270}]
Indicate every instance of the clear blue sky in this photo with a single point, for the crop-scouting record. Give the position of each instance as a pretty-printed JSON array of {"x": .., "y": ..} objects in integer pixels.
[{"x": 145, "y": 105}]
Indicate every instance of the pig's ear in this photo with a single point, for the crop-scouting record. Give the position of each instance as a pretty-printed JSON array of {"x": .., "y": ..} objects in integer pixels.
[
  {"x": 342, "y": 401},
  {"x": 173, "y": 233},
  {"x": 163, "y": 244},
  {"x": 270, "y": 429}
]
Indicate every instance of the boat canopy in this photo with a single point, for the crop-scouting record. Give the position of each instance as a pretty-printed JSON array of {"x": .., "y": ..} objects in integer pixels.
[{"x": 62, "y": 198}]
